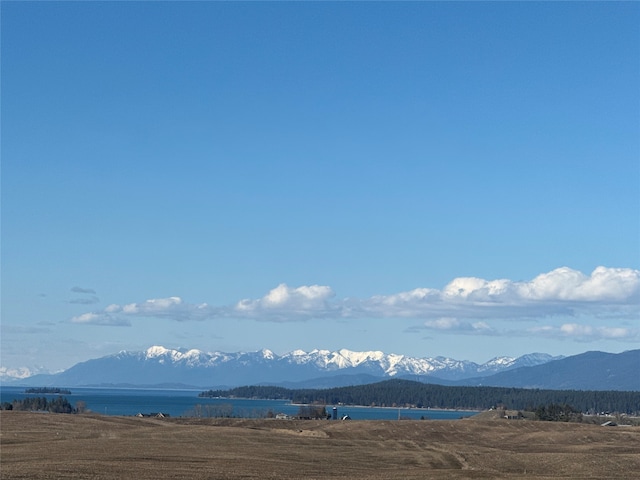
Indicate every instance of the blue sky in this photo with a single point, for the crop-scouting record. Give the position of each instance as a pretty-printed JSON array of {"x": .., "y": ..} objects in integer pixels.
[{"x": 458, "y": 179}]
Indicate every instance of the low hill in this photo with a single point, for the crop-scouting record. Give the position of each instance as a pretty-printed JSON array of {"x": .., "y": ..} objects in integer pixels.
[{"x": 587, "y": 371}]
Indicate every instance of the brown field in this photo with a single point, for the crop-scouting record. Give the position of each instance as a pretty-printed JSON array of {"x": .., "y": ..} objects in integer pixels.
[{"x": 38, "y": 446}]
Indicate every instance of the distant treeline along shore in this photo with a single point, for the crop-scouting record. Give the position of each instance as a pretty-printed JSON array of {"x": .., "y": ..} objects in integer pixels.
[
  {"x": 407, "y": 393},
  {"x": 48, "y": 390}
]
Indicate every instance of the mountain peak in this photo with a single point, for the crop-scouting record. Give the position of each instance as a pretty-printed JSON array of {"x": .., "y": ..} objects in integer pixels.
[
  {"x": 156, "y": 351},
  {"x": 267, "y": 354},
  {"x": 298, "y": 353}
]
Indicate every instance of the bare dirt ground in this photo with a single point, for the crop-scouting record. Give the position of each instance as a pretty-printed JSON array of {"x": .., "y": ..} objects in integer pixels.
[{"x": 56, "y": 446}]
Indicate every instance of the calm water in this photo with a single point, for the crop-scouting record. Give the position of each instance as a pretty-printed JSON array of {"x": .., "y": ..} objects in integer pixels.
[{"x": 178, "y": 403}]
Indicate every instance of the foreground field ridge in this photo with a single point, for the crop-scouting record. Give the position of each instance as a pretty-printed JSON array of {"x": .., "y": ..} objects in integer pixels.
[{"x": 37, "y": 446}]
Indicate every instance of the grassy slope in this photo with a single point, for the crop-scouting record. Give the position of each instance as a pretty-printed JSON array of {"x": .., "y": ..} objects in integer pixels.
[{"x": 38, "y": 446}]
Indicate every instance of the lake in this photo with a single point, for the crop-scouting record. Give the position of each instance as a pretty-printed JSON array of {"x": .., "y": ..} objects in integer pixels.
[{"x": 177, "y": 403}]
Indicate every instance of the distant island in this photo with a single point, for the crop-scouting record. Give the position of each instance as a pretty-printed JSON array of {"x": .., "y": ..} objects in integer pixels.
[{"x": 48, "y": 390}]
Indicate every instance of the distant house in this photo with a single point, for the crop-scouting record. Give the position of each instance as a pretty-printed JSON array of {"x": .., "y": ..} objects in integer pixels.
[
  {"x": 282, "y": 416},
  {"x": 609, "y": 424}
]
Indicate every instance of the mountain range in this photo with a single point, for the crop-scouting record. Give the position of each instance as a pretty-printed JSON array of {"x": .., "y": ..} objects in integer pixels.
[{"x": 162, "y": 367}]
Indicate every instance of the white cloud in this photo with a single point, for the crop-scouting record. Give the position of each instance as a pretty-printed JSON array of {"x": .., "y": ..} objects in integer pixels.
[
  {"x": 287, "y": 303},
  {"x": 86, "y": 318},
  {"x": 610, "y": 285},
  {"x": 481, "y": 327},
  {"x": 465, "y": 305},
  {"x": 586, "y": 333},
  {"x": 172, "y": 308},
  {"x": 101, "y": 318},
  {"x": 454, "y": 325},
  {"x": 445, "y": 323},
  {"x": 154, "y": 306},
  {"x": 573, "y": 331}
]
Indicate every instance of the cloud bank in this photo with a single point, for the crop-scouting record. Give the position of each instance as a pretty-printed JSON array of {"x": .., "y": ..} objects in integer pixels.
[{"x": 465, "y": 305}]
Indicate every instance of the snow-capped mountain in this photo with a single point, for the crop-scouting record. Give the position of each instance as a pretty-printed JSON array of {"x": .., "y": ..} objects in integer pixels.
[
  {"x": 8, "y": 374},
  {"x": 159, "y": 365}
]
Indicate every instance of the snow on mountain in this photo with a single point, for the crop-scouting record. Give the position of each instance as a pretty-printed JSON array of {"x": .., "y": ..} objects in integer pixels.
[
  {"x": 267, "y": 354},
  {"x": 160, "y": 365},
  {"x": 375, "y": 362},
  {"x": 157, "y": 351},
  {"x": 192, "y": 356},
  {"x": 533, "y": 359},
  {"x": 8, "y": 374},
  {"x": 497, "y": 362}
]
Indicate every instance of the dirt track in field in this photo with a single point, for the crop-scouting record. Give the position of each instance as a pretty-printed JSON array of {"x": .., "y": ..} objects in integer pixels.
[{"x": 50, "y": 446}]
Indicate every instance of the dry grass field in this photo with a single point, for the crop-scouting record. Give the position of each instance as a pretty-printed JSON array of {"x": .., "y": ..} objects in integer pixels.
[{"x": 50, "y": 446}]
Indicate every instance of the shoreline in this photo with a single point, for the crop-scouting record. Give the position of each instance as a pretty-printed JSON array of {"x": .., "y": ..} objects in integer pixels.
[{"x": 420, "y": 409}]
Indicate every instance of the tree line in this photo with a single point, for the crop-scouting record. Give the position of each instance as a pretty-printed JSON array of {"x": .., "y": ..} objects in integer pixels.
[
  {"x": 408, "y": 393},
  {"x": 42, "y": 404},
  {"x": 49, "y": 390},
  {"x": 558, "y": 413}
]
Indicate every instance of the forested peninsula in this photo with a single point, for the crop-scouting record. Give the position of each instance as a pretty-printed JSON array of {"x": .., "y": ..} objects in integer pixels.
[{"x": 407, "y": 393}]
